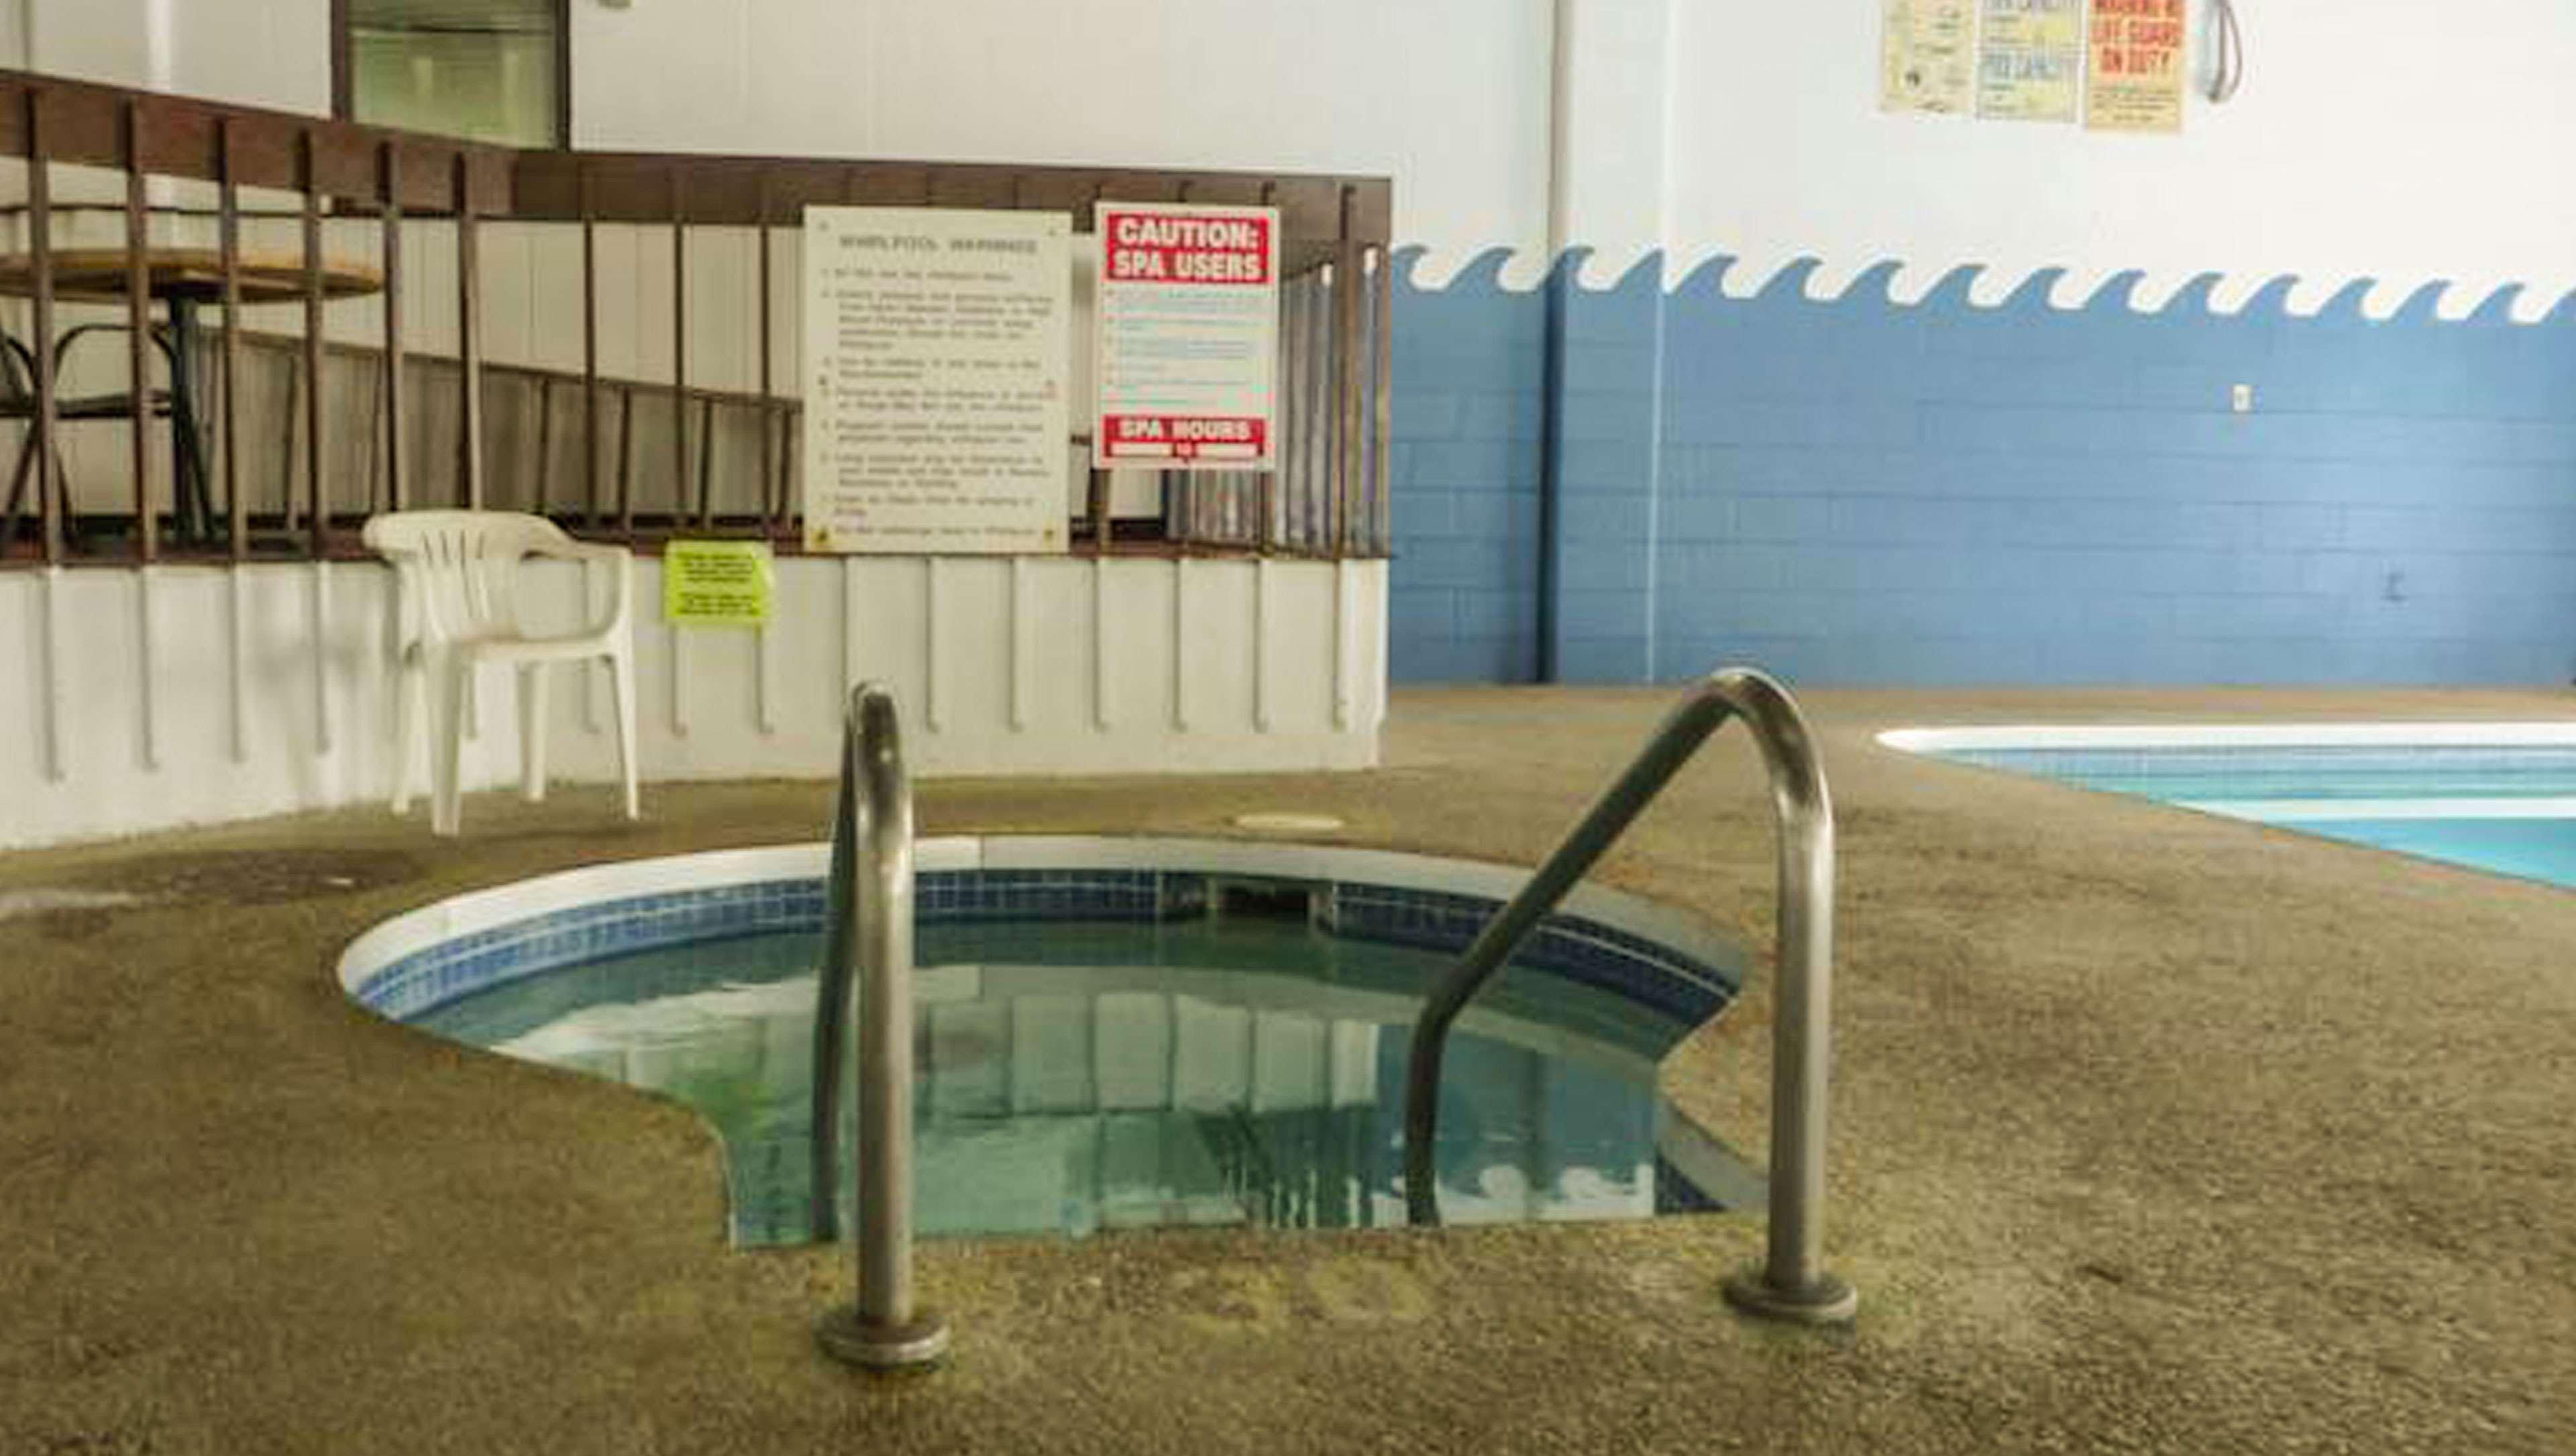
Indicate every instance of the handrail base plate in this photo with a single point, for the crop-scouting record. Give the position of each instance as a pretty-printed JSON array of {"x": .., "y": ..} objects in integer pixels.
[
  {"x": 1828, "y": 1301},
  {"x": 848, "y": 1337}
]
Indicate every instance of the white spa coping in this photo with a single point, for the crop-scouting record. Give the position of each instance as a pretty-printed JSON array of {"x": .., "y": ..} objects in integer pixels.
[{"x": 478, "y": 910}]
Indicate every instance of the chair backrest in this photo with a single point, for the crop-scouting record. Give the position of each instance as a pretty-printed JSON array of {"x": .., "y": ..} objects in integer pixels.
[
  {"x": 464, "y": 565},
  {"x": 17, "y": 374}
]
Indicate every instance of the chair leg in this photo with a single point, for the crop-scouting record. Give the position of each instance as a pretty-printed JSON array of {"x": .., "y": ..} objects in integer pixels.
[
  {"x": 621, "y": 683},
  {"x": 532, "y": 731},
  {"x": 447, "y": 743},
  {"x": 63, "y": 498},
  {"x": 410, "y": 687},
  {"x": 18, "y": 486}
]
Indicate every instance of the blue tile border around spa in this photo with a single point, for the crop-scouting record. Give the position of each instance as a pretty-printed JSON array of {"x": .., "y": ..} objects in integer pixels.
[{"x": 1660, "y": 977}]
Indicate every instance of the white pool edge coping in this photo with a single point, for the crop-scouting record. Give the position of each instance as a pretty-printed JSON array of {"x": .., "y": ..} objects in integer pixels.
[
  {"x": 2343, "y": 811},
  {"x": 431, "y": 925},
  {"x": 2535, "y": 734}
]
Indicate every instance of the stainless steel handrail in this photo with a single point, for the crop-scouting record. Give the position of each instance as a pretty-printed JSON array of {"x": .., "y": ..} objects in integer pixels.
[
  {"x": 869, "y": 930},
  {"x": 1792, "y": 1283}
]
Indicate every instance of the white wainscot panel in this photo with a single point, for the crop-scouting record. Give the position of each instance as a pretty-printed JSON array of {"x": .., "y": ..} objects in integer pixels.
[{"x": 132, "y": 701}]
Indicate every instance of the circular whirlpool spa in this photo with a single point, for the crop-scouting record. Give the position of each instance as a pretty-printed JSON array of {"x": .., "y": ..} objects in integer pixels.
[{"x": 1111, "y": 1032}]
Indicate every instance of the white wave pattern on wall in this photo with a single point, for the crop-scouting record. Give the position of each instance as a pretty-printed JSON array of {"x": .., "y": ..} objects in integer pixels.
[{"x": 1988, "y": 285}]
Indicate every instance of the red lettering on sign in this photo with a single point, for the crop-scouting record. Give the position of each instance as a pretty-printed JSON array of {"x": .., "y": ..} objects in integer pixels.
[
  {"x": 1152, "y": 247},
  {"x": 1188, "y": 437}
]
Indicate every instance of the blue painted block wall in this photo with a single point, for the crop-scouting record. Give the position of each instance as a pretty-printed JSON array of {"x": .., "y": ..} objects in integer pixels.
[
  {"x": 1608, "y": 472},
  {"x": 1861, "y": 491},
  {"x": 1470, "y": 406}
]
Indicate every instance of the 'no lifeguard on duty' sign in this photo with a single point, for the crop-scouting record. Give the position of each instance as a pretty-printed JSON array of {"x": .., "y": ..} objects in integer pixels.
[{"x": 1186, "y": 349}]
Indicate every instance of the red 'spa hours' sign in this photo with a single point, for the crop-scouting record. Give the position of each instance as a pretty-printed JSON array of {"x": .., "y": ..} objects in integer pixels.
[
  {"x": 1143, "y": 439},
  {"x": 1187, "y": 337}
]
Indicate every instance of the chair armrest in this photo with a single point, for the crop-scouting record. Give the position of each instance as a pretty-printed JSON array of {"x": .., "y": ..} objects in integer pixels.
[
  {"x": 621, "y": 581},
  {"x": 582, "y": 551}
]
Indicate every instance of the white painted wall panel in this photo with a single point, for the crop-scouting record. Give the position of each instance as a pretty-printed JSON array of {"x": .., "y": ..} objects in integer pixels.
[
  {"x": 865, "y": 614},
  {"x": 1136, "y": 682},
  {"x": 1057, "y": 670}
]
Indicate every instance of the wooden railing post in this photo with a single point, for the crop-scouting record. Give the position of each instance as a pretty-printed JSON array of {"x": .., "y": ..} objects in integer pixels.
[
  {"x": 1348, "y": 281},
  {"x": 1382, "y": 411},
  {"x": 770, "y": 508},
  {"x": 40, "y": 247},
  {"x": 469, "y": 337},
  {"x": 395, "y": 434},
  {"x": 138, "y": 335},
  {"x": 228, "y": 231},
  {"x": 589, "y": 355},
  {"x": 314, "y": 455},
  {"x": 680, "y": 354}
]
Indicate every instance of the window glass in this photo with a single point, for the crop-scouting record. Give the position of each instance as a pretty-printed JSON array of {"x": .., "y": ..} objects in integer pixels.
[{"x": 482, "y": 69}]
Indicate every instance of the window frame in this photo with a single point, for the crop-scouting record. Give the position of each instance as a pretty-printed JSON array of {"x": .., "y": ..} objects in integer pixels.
[{"x": 344, "y": 75}]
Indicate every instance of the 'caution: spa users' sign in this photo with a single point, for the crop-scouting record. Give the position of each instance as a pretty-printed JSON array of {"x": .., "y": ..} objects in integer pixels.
[{"x": 1187, "y": 337}]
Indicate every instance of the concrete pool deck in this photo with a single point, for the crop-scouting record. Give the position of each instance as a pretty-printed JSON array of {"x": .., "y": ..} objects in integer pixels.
[{"x": 2152, "y": 1132}]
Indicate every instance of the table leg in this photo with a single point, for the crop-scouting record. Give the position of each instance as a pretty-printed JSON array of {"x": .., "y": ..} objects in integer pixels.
[{"x": 192, "y": 498}]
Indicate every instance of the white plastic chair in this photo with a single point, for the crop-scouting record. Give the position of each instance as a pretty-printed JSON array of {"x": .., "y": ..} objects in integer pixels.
[{"x": 459, "y": 572}]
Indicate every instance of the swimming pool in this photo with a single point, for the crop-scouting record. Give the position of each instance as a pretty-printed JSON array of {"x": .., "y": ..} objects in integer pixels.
[
  {"x": 1200, "y": 1034},
  {"x": 2499, "y": 797}
]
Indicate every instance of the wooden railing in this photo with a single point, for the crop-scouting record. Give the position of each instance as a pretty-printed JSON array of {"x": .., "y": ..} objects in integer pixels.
[{"x": 629, "y": 384}]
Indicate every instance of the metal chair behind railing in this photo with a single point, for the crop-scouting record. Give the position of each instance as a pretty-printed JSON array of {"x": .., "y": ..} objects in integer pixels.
[{"x": 18, "y": 401}]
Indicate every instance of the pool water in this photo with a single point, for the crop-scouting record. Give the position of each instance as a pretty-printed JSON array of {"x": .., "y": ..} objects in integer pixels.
[
  {"x": 2505, "y": 809},
  {"x": 1077, "y": 1076},
  {"x": 2531, "y": 849}
]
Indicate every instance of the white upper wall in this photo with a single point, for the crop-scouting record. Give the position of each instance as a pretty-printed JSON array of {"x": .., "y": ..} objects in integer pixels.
[
  {"x": 252, "y": 52},
  {"x": 1449, "y": 97},
  {"x": 273, "y": 53},
  {"x": 2392, "y": 139}
]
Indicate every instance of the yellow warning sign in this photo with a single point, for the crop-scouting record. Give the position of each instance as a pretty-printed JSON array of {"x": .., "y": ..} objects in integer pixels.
[{"x": 717, "y": 583}]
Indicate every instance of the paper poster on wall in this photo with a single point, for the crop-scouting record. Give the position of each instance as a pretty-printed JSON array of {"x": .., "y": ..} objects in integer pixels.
[
  {"x": 717, "y": 583},
  {"x": 1927, "y": 55},
  {"x": 2030, "y": 58},
  {"x": 935, "y": 397},
  {"x": 2135, "y": 81},
  {"x": 1187, "y": 337}
]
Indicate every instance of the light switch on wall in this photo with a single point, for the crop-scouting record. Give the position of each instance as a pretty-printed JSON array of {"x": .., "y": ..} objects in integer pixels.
[{"x": 2241, "y": 398}]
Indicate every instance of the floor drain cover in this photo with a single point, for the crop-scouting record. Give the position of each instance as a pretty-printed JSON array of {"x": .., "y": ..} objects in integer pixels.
[{"x": 1288, "y": 823}]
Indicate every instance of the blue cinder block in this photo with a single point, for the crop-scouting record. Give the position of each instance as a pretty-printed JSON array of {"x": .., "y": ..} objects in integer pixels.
[
  {"x": 1602, "y": 660},
  {"x": 1603, "y": 613},
  {"x": 1496, "y": 615},
  {"x": 1518, "y": 414},
  {"x": 1953, "y": 491}
]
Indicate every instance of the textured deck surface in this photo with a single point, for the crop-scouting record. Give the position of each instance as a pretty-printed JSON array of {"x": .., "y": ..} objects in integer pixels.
[{"x": 2152, "y": 1132}]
